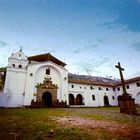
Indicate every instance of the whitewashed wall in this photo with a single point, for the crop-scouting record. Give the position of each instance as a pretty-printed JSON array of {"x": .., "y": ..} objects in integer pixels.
[
  {"x": 87, "y": 93},
  {"x": 57, "y": 73},
  {"x": 14, "y": 87},
  {"x": 133, "y": 90}
]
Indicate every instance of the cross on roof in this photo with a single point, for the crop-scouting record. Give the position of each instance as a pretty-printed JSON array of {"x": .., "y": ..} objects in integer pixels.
[{"x": 121, "y": 75}]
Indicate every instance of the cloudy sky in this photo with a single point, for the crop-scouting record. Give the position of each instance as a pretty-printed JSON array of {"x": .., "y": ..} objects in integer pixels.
[{"x": 91, "y": 36}]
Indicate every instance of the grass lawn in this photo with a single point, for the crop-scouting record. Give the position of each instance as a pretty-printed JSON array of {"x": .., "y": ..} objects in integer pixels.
[{"x": 104, "y": 123}]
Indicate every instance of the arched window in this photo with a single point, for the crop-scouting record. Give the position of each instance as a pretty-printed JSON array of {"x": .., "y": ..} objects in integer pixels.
[
  {"x": 19, "y": 56},
  {"x": 20, "y": 66},
  {"x": 13, "y": 65}
]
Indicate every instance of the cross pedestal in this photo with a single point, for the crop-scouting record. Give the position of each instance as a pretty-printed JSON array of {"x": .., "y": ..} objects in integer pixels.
[{"x": 127, "y": 104}]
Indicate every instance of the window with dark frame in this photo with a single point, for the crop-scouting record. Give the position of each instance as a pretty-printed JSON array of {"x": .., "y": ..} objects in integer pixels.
[
  {"x": 92, "y": 88},
  {"x": 138, "y": 84},
  {"x": 100, "y": 88},
  {"x": 72, "y": 86},
  {"x": 118, "y": 88},
  {"x": 19, "y": 55},
  {"x": 107, "y": 89},
  {"x": 13, "y": 65},
  {"x": 93, "y": 97},
  {"x": 127, "y": 86},
  {"x": 113, "y": 97},
  {"x": 20, "y": 66},
  {"x": 48, "y": 71}
]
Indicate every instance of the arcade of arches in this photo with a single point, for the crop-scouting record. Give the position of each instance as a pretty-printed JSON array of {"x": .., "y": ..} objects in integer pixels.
[{"x": 75, "y": 101}]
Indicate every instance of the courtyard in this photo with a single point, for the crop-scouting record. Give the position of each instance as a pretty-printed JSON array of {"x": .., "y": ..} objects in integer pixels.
[{"x": 104, "y": 123}]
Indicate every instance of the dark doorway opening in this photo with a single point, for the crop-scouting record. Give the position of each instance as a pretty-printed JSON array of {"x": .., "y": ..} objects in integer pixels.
[
  {"x": 119, "y": 99},
  {"x": 106, "y": 101},
  {"x": 71, "y": 99},
  {"x": 79, "y": 99},
  {"x": 47, "y": 99}
]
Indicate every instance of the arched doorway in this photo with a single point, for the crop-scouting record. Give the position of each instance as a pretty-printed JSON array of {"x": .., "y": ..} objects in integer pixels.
[
  {"x": 71, "y": 99},
  {"x": 79, "y": 99},
  {"x": 47, "y": 99},
  {"x": 106, "y": 101},
  {"x": 119, "y": 99}
]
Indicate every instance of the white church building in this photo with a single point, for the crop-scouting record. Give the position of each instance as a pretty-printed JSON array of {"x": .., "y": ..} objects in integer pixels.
[{"x": 43, "y": 81}]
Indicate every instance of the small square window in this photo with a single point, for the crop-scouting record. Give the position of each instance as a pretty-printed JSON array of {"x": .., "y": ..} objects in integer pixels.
[
  {"x": 100, "y": 88},
  {"x": 107, "y": 89},
  {"x": 138, "y": 84},
  {"x": 127, "y": 86},
  {"x": 13, "y": 65},
  {"x": 113, "y": 97},
  {"x": 118, "y": 89},
  {"x": 93, "y": 97},
  {"x": 84, "y": 87},
  {"x": 72, "y": 86},
  {"x": 20, "y": 66},
  {"x": 48, "y": 71},
  {"x": 92, "y": 88}
]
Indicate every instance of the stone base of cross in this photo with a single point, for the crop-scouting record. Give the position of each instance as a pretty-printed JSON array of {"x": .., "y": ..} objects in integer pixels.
[{"x": 127, "y": 105}]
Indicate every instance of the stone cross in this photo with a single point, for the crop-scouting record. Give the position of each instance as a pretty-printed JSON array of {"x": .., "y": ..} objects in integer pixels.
[{"x": 121, "y": 75}]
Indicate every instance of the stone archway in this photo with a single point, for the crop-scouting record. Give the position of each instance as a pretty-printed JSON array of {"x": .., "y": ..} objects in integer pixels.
[
  {"x": 79, "y": 99},
  {"x": 71, "y": 99},
  {"x": 106, "y": 101},
  {"x": 47, "y": 99},
  {"x": 46, "y": 95}
]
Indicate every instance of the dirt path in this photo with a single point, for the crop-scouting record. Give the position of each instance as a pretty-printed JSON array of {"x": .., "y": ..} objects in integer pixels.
[{"x": 90, "y": 125}]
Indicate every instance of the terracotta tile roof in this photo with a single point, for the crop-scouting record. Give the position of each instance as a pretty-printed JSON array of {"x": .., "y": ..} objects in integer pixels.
[
  {"x": 91, "y": 80},
  {"x": 90, "y": 83},
  {"x": 95, "y": 80},
  {"x": 135, "y": 79},
  {"x": 46, "y": 57}
]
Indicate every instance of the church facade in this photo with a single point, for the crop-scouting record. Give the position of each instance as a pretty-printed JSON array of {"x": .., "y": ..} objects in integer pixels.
[{"x": 43, "y": 81}]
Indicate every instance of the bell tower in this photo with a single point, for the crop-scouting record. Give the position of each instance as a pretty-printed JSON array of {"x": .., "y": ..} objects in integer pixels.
[
  {"x": 16, "y": 71},
  {"x": 18, "y": 60}
]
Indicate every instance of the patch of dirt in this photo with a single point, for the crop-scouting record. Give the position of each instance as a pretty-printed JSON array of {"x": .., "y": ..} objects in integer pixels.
[{"x": 123, "y": 130}]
